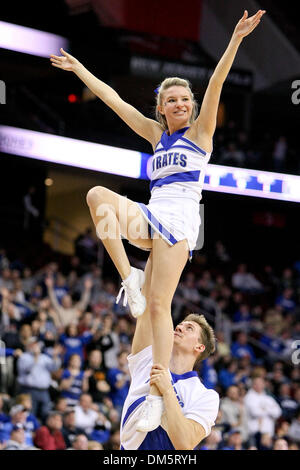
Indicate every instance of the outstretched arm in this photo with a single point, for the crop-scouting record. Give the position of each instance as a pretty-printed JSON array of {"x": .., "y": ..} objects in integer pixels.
[
  {"x": 145, "y": 127},
  {"x": 206, "y": 121}
]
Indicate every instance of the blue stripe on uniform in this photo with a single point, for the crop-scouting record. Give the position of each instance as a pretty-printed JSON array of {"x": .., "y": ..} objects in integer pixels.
[
  {"x": 156, "y": 225},
  {"x": 193, "y": 145},
  {"x": 191, "y": 149},
  {"x": 176, "y": 178},
  {"x": 132, "y": 407}
]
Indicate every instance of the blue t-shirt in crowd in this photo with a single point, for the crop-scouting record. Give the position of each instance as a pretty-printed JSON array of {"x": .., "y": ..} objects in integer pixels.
[
  {"x": 31, "y": 425},
  {"x": 60, "y": 292},
  {"x": 227, "y": 378},
  {"x": 275, "y": 344},
  {"x": 241, "y": 350},
  {"x": 74, "y": 344},
  {"x": 118, "y": 395},
  {"x": 208, "y": 375},
  {"x": 73, "y": 393}
]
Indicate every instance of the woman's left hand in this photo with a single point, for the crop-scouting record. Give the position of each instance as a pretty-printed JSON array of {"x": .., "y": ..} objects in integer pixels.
[{"x": 246, "y": 25}]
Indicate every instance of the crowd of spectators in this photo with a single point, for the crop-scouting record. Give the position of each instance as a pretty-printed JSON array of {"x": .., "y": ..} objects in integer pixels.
[
  {"x": 235, "y": 147},
  {"x": 63, "y": 361}
]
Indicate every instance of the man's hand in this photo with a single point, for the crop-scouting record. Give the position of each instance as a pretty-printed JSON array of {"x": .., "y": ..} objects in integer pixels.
[
  {"x": 65, "y": 62},
  {"x": 88, "y": 283},
  {"x": 246, "y": 25},
  {"x": 4, "y": 292},
  {"x": 160, "y": 377},
  {"x": 49, "y": 282}
]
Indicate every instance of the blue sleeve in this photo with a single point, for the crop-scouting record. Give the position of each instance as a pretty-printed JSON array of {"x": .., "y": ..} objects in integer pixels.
[
  {"x": 66, "y": 374},
  {"x": 62, "y": 339},
  {"x": 233, "y": 349},
  {"x": 8, "y": 352},
  {"x": 112, "y": 375},
  {"x": 86, "y": 338}
]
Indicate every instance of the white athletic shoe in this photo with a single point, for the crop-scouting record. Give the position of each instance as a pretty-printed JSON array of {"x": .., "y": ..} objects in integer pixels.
[
  {"x": 151, "y": 415},
  {"x": 132, "y": 292}
]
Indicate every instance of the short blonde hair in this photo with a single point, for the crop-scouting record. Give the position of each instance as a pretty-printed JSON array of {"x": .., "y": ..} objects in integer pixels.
[
  {"x": 167, "y": 83},
  {"x": 207, "y": 336}
]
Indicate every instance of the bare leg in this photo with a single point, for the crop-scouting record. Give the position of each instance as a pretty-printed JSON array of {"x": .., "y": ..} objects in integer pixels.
[
  {"x": 168, "y": 264},
  {"x": 114, "y": 215}
]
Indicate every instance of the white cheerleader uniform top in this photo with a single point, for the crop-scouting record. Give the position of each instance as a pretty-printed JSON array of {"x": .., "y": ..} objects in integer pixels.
[
  {"x": 178, "y": 169},
  {"x": 197, "y": 403}
]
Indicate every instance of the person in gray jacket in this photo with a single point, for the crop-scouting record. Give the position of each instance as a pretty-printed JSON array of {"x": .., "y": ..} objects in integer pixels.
[{"x": 34, "y": 376}]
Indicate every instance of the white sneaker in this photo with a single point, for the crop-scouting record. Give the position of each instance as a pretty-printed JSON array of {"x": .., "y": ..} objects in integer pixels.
[
  {"x": 132, "y": 292},
  {"x": 151, "y": 415}
]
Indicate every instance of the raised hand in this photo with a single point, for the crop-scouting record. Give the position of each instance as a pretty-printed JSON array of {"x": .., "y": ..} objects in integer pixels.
[
  {"x": 246, "y": 25},
  {"x": 65, "y": 62},
  {"x": 49, "y": 281}
]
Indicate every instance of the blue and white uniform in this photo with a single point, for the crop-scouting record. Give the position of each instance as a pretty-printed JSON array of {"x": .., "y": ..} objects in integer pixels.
[
  {"x": 198, "y": 403},
  {"x": 178, "y": 169}
]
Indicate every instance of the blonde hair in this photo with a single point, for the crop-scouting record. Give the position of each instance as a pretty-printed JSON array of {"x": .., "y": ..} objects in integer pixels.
[
  {"x": 207, "y": 336},
  {"x": 167, "y": 83}
]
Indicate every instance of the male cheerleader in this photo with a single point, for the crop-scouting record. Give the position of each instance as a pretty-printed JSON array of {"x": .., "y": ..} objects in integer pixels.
[{"x": 190, "y": 409}]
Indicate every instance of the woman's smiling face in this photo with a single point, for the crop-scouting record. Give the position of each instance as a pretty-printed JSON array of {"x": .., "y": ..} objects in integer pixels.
[{"x": 177, "y": 106}]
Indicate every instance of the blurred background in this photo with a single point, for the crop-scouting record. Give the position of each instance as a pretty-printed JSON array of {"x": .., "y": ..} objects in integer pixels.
[{"x": 57, "y": 140}]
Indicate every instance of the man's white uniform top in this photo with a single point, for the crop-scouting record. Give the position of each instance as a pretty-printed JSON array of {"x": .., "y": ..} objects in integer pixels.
[{"x": 197, "y": 402}]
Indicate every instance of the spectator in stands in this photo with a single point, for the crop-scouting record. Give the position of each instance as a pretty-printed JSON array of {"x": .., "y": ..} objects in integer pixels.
[
  {"x": 243, "y": 315},
  {"x": 61, "y": 405},
  {"x": 50, "y": 437},
  {"x": 265, "y": 442},
  {"x": 34, "y": 376},
  {"x": 286, "y": 300},
  {"x": 282, "y": 429},
  {"x": 230, "y": 375},
  {"x": 209, "y": 375},
  {"x": 17, "y": 415},
  {"x": 94, "y": 445},
  {"x": 28, "y": 281},
  {"x": 223, "y": 348},
  {"x": 4, "y": 418},
  {"x": 234, "y": 412},
  {"x": 94, "y": 424},
  {"x": 280, "y": 444},
  {"x": 114, "y": 441},
  {"x": 271, "y": 343},
  {"x": 212, "y": 441},
  {"x": 233, "y": 156},
  {"x": 233, "y": 441},
  {"x": 107, "y": 341},
  {"x": 187, "y": 289},
  {"x": 119, "y": 380},
  {"x": 17, "y": 439},
  {"x": 60, "y": 287},
  {"x": 245, "y": 281},
  {"x": 86, "y": 247},
  {"x": 85, "y": 323},
  {"x": 74, "y": 381},
  {"x": 69, "y": 429},
  {"x": 80, "y": 442},
  {"x": 240, "y": 348},
  {"x": 74, "y": 343},
  {"x": 98, "y": 387},
  {"x": 262, "y": 410},
  {"x": 279, "y": 154},
  {"x": 294, "y": 431},
  {"x": 31, "y": 213},
  {"x": 86, "y": 416},
  {"x": 67, "y": 312},
  {"x": 31, "y": 424}
]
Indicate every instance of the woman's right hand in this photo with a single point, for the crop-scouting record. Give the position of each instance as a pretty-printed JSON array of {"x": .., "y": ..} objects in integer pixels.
[{"x": 65, "y": 62}]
